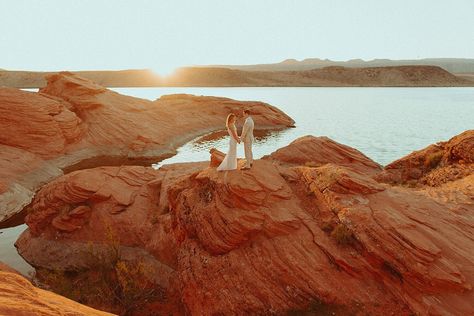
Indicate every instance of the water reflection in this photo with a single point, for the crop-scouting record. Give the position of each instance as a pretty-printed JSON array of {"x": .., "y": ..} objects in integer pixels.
[{"x": 198, "y": 149}]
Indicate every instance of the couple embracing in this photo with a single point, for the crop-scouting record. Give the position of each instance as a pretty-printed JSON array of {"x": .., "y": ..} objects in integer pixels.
[{"x": 230, "y": 160}]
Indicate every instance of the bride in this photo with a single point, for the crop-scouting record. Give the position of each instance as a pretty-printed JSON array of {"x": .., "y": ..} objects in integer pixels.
[{"x": 230, "y": 160}]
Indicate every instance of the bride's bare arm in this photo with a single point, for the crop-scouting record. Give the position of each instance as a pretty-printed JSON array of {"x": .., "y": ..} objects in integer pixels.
[{"x": 234, "y": 134}]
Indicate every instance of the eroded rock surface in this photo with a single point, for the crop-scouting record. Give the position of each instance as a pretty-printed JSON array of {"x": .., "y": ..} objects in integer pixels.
[
  {"x": 285, "y": 236},
  {"x": 73, "y": 123},
  {"x": 434, "y": 165},
  {"x": 316, "y": 151}
]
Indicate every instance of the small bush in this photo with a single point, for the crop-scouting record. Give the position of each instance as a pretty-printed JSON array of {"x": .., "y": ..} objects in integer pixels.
[
  {"x": 121, "y": 287},
  {"x": 432, "y": 160},
  {"x": 56, "y": 281},
  {"x": 133, "y": 288},
  {"x": 342, "y": 234}
]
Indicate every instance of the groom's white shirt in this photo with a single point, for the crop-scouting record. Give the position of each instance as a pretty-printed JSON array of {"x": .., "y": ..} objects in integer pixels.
[{"x": 247, "y": 130}]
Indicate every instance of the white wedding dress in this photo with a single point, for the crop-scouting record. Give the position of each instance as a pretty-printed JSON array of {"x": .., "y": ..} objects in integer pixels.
[{"x": 230, "y": 160}]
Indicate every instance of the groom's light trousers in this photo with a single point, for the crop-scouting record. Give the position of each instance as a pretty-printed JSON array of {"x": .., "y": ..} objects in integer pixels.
[{"x": 248, "y": 153}]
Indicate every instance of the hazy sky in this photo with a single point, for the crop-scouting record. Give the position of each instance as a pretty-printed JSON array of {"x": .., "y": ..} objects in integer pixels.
[{"x": 99, "y": 34}]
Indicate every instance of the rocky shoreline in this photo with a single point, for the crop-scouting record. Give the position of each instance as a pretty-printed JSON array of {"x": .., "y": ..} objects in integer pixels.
[
  {"x": 315, "y": 227},
  {"x": 73, "y": 123}
]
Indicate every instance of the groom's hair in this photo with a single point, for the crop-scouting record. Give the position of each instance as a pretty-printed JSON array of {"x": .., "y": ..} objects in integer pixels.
[{"x": 247, "y": 111}]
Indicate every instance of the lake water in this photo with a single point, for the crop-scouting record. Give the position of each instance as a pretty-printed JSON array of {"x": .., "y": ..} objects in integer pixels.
[
  {"x": 8, "y": 253},
  {"x": 383, "y": 123}
]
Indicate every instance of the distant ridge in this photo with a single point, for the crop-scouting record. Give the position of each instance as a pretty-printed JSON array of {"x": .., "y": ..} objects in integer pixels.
[
  {"x": 108, "y": 78},
  {"x": 453, "y": 65},
  {"x": 332, "y": 76}
]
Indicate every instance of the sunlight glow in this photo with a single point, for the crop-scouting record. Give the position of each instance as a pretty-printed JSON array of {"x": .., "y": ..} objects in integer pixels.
[{"x": 164, "y": 70}]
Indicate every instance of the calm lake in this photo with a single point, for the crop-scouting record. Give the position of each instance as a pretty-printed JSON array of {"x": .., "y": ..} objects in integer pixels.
[{"x": 383, "y": 123}]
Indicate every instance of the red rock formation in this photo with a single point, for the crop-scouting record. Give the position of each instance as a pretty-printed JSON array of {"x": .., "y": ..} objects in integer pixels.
[
  {"x": 317, "y": 151},
  {"x": 73, "y": 123},
  {"x": 49, "y": 124},
  {"x": 19, "y": 297},
  {"x": 284, "y": 236},
  {"x": 434, "y": 165},
  {"x": 216, "y": 157},
  {"x": 95, "y": 208}
]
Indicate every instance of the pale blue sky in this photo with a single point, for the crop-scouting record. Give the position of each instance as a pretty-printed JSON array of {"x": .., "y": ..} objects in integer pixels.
[{"x": 99, "y": 34}]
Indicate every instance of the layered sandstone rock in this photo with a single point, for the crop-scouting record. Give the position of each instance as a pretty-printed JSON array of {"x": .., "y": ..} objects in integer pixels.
[
  {"x": 74, "y": 123},
  {"x": 317, "y": 151},
  {"x": 291, "y": 234},
  {"x": 435, "y": 164},
  {"x": 19, "y": 297}
]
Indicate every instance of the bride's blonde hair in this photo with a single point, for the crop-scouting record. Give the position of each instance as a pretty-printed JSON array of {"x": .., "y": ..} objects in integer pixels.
[{"x": 229, "y": 118}]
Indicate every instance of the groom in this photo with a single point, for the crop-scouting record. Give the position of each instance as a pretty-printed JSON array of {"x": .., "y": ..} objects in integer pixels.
[{"x": 247, "y": 138}]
